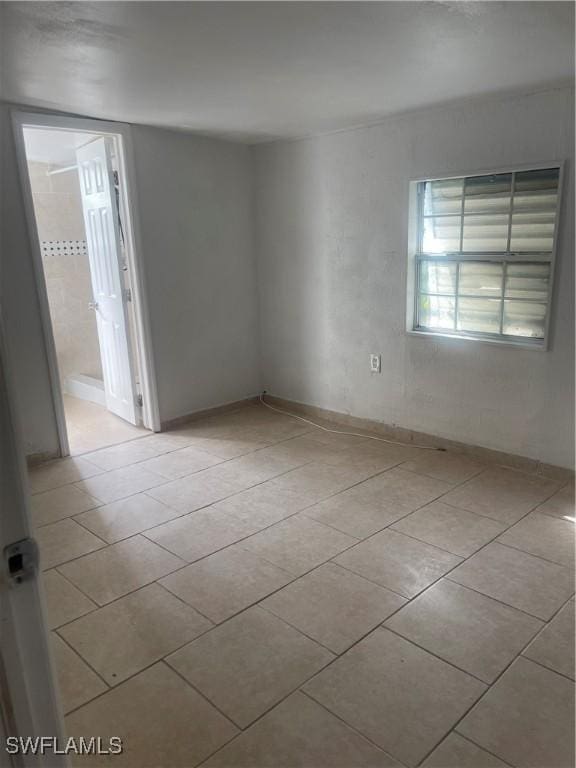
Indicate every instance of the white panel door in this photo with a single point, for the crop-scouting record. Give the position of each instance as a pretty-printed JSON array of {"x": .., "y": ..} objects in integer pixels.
[{"x": 104, "y": 252}]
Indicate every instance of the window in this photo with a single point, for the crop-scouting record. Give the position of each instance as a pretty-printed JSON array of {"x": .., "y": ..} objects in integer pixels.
[{"x": 484, "y": 255}]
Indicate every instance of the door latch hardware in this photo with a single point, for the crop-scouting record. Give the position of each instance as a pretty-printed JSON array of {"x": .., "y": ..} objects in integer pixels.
[
  {"x": 93, "y": 305},
  {"x": 127, "y": 294},
  {"x": 21, "y": 561},
  {"x": 139, "y": 401}
]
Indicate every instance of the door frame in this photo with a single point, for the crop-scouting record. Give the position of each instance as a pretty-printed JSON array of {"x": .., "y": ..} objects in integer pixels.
[
  {"x": 144, "y": 362},
  {"x": 30, "y": 700}
]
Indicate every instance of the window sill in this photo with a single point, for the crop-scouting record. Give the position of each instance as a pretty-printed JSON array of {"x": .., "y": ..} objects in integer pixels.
[{"x": 539, "y": 345}]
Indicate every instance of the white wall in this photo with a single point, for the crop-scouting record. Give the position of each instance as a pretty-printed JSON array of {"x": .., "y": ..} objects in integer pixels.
[
  {"x": 195, "y": 197},
  {"x": 332, "y": 220},
  {"x": 331, "y": 226},
  {"x": 196, "y": 204},
  {"x": 20, "y": 311}
]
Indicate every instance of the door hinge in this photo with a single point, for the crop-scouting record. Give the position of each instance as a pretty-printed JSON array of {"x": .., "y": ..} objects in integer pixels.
[
  {"x": 127, "y": 294},
  {"x": 139, "y": 401},
  {"x": 20, "y": 561}
]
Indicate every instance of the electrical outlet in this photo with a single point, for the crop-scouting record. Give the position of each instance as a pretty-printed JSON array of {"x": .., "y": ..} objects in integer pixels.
[{"x": 375, "y": 363}]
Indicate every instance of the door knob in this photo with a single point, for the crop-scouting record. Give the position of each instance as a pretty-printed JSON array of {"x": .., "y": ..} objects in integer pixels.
[{"x": 93, "y": 305}]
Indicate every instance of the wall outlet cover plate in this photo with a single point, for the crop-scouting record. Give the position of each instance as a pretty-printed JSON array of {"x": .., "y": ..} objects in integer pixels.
[{"x": 375, "y": 363}]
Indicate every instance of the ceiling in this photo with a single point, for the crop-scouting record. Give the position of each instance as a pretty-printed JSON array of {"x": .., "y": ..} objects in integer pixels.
[{"x": 268, "y": 70}]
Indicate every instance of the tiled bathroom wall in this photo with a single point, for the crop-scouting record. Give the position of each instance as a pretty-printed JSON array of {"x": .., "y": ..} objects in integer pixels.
[{"x": 63, "y": 243}]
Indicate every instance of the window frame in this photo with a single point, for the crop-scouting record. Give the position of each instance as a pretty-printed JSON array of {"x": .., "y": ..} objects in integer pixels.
[{"x": 415, "y": 256}]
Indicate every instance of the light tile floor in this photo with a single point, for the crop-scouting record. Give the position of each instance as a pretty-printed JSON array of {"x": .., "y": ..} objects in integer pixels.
[
  {"x": 91, "y": 426},
  {"x": 250, "y": 592}
]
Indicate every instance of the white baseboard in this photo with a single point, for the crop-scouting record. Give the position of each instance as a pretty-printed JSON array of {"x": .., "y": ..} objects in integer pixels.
[{"x": 85, "y": 388}]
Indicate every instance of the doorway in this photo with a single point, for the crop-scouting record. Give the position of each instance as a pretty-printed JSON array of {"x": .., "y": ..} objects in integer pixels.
[{"x": 81, "y": 219}]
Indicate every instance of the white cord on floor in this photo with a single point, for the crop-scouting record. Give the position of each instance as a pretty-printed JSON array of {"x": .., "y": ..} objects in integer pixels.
[{"x": 351, "y": 434}]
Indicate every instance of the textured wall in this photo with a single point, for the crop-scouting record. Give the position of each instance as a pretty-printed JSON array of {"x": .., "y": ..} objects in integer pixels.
[
  {"x": 195, "y": 199},
  {"x": 58, "y": 210},
  {"x": 331, "y": 228},
  {"x": 20, "y": 310},
  {"x": 332, "y": 223}
]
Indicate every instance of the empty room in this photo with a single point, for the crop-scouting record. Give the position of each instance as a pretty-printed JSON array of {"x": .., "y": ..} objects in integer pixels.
[{"x": 287, "y": 384}]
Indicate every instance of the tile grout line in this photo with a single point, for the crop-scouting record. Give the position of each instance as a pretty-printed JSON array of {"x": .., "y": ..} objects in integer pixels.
[
  {"x": 246, "y": 607},
  {"x": 72, "y": 516},
  {"x": 271, "y": 480},
  {"x": 189, "y": 605},
  {"x": 239, "y": 541},
  {"x": 79, "y": 655},
  {"x": 223, "y": 460},
  {"x": 67, "y": 580},
  {"x": 181, "y": 514},
  {"x": 87, "y": 554},
  {"x": 310, "y": 430},
  {"x": 521, "y": 610},
  {"x": 151, "y": 433},
  {"x": 547, "y": 668},
  {"x": 181, "y": 600},
  {"x": 352, "y": 727},
  {"x": 226, "y": 546},
  {"x": 125, "y": 594},
  {"x": 496, "y": 600},
  {"x": 446, "y": 575},
  {"x": 383, "y": 626},
  {"x": 337, "y": 656},
  {"x": 317, "y": 703},
  {"x": 488, "y": 689},
  {"x": 181, "y": 567},
  {"x": 315, "y": 640},
  {"x": 532, "y": 554},
  {"x": 426, "y": 543},
  {"x": 499, "y": 520},
  {"x": 84, "y": 454},
  {"x": 541, "y": 630},
  {"x": 296, "y": 577},
  {"x": 209, "y": 629},
  {"x": 158, "y": 660},
  {"x": 276, "y": 703},
  {"x": 203, "y": 696},
  {"x": 280, "y": 442},
  {"x": 216, "y": 501},
  {"x": 144, "y": 531},
  {"x": 467, "y": 738},
  {"x": 294, "y": 514},
  {"x": 175, "y": 650},
  {"x": 129, "y": 536}
]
